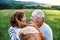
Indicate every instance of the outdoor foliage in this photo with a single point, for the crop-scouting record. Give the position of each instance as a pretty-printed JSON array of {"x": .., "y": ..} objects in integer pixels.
[
  {"x": 52, "y": 18},
  {"x": 24, "y": 6}
]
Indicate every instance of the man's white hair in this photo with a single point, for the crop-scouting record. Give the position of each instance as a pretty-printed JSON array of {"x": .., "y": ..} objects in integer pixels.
[{"x": 38, "y": 13}]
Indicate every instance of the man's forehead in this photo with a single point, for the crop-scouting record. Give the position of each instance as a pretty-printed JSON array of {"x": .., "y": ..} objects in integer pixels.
[
  {"x": 33, "y": 14},
  {"x": 38, "y": 13}
]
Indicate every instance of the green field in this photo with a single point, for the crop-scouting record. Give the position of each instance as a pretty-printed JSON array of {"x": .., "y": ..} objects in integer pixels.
[{"x": 52, "y": 18}]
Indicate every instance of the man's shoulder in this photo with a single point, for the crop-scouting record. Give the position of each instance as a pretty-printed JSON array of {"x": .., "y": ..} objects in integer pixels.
[
  {"x": 45, "y": 26},
  {"x": 47, "y": 31}
]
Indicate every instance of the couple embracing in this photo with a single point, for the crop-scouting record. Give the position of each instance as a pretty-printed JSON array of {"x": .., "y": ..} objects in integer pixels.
[{"x": 36, "y": 29}]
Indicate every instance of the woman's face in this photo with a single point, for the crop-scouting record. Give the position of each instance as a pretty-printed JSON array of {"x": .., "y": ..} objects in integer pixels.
[{"x": 24, "y": 18}]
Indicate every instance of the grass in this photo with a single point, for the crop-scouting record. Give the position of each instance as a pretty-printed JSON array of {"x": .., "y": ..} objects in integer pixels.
[{"x": 52, "y": 18}]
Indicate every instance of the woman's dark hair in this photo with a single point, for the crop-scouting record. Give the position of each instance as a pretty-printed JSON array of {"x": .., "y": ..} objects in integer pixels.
[{"x": 16, "y": 14}]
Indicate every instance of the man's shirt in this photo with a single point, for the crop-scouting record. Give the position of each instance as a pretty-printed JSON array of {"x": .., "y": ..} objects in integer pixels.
[{"x": 46, "y": 31}]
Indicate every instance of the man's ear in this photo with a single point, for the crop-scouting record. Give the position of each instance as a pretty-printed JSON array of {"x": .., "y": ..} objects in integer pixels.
[{"x": 43, "y": 19}]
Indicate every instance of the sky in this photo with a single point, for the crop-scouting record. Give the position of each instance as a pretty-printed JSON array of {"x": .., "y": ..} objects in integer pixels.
[{"x": 53, "y": 2}]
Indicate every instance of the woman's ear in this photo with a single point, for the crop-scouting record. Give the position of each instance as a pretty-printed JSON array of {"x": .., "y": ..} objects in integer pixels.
[{"x": 19, "y": 22}]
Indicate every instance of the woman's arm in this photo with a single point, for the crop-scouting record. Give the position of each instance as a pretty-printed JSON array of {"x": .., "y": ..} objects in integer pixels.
[{"x": 12, "y": 34}]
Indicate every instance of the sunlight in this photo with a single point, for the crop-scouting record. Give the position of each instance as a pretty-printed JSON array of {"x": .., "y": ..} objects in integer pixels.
[{"x": 53, "y": 2}]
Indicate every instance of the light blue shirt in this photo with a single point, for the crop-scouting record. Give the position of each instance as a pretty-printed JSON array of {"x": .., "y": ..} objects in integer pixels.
[
  {"x": 13, "y": 32},
  {"x": 46, "y": 31}
]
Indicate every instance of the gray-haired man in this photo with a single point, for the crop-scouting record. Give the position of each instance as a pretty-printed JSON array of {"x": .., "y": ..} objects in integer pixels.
[{"x": 44, "y": 28}]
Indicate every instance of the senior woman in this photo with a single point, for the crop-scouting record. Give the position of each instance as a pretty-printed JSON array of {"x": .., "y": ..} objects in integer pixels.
[{"x": 15, "y": 28}]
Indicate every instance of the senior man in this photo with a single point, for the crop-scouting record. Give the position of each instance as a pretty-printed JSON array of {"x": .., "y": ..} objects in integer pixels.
[{"x": 43, "y": 27}]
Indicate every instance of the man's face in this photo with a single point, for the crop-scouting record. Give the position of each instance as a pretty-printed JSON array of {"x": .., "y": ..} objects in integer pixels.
[
  {"x": 33, "y": 18},
  {"x": 39, "y": 21}
]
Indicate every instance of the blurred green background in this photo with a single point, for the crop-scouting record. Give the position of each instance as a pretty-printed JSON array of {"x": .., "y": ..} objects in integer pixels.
[{"x": 52, "y": 18}]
